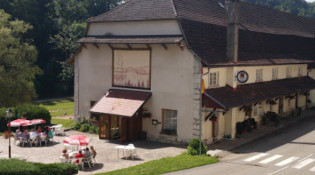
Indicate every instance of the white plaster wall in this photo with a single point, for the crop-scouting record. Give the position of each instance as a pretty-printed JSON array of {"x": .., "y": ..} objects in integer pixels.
[
  {"x": 161, "y": 27},
  {"x": 172, "y": 88},
  {"x": 95, "y": 74}
]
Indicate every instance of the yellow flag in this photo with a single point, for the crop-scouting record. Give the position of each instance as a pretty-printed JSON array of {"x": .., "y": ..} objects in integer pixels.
[{"x": 202, "y": 86}]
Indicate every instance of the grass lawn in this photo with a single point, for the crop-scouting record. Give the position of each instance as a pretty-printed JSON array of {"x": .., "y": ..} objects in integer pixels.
[
  {"x": 161, "y": 166},
  {"x": 59, "y": 107},
  {"x": 66, "y": 123}
]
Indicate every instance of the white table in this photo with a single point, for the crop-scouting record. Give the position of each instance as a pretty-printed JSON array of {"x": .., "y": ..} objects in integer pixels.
[{"x": 126, "y": 150}]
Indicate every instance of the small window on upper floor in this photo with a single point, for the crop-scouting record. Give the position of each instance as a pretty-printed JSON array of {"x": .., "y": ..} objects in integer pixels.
[
  {"x": 288, "y": 72},
  {"x": 259, "y": 75},
  {"x": 275, "y": 73},
  {"x": 214, "y": 79},
  {"x": 300, "y": 71}
]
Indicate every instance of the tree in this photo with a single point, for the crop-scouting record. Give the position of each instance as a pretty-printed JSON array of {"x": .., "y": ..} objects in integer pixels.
[{"x": 17, "y": 58}]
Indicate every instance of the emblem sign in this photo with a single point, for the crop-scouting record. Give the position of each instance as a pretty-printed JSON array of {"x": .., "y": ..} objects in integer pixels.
[{"x": 242, "y": 76}]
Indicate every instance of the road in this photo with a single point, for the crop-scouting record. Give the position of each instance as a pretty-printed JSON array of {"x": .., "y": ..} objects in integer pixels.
[{"x": 289, "y": 150}]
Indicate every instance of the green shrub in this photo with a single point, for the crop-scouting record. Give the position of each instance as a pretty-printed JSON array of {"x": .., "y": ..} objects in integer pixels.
[
  {"x": 77, "y": 125},
  {"x": 20, "y": 167},
  {"x": 85, "y": 128},
  {"x": 32, "y": 112},
  {"x": 193, "y": 147},
  {"x": 57, "y": 169},
  {"x": 93, "y": 129}
]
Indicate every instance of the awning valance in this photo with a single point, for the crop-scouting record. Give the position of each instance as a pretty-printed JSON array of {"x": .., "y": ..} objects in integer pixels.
[
  {"x": 132, "y": 40},
  {"x": 121, "y": 102},
  {"x": 226, "y": 97}
]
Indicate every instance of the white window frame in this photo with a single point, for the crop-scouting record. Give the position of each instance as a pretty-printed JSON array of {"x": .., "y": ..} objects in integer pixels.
[
  {"x": 259, "y": 74},
  {"x": 275, "y": 73},
  {"x": 288, "y": 72},
  {"x": 169, "y": 122},
  {"x": 213, "y": 79}
]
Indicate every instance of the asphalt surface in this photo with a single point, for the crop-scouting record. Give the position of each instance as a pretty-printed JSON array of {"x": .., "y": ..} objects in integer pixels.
[{"x": 289, "y": 150}]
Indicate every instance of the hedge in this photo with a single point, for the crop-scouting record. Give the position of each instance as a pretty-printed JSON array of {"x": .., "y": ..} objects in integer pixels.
[
  {"x": 20, "y": 167},
  {"x": 28, "y": 111}
]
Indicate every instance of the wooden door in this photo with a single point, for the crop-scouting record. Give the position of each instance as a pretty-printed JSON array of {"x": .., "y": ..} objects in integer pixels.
[
  {"x": 104, "y": 127},
  {"x": 124, "y": 130}
]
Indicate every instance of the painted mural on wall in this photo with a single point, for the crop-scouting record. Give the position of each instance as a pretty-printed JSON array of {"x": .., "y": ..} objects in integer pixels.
[{"x": 132, "y": 68}]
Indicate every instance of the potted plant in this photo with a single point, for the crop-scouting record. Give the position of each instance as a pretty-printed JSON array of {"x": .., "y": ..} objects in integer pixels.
[{"x": 213, "y": 118}]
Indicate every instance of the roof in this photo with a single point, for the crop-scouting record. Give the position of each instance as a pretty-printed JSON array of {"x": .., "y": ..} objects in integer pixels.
[
  {"x": 133, "y": 40},
  {"x": 226, "y": 97},
  {"x": 254, "y": 17},
  {"x": 267, "y": 36},
  {"x": 208, "y": 41},
  {"x": 134, "y": 10},
  {"x": 121, "y": 102}
]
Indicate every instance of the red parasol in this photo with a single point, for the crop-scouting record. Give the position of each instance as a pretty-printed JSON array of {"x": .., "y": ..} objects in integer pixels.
[
  {"x": 77, "y": 140},
  {"x": 36, "y": 121},
  {"x": 19, "y": 122}
]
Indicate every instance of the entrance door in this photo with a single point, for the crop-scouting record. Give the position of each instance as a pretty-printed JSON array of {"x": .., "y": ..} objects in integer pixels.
[
  {"x": 104, "y": 127},
  {"x": 124, "y": 129},
  {"x": 280, "y": 106}
]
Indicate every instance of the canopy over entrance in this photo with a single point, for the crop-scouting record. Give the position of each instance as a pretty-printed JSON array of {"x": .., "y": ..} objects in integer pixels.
[{"x": 121, "y": 102}]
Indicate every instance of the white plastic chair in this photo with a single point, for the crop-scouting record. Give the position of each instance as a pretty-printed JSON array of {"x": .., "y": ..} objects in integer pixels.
[
  {"x": 22, "y": 141},
  {"x": 88, "y": 160},
  {"x": 130, "y": 151},
  {"x": 43, "y": 138},
  {"x": 33, "y": 140},
  {"x": 80, "y": 163}
]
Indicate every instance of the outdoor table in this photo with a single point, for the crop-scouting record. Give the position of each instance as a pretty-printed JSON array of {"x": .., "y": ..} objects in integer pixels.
[
  {"x": 125, "y": 150},
  {"x": 72, "y": 154}
]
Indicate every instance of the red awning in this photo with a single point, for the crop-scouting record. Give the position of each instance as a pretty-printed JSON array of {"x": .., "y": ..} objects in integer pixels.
[{"x": 121, "y": 102}]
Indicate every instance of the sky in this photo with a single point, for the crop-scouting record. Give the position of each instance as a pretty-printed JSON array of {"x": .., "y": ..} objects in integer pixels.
[{"x": 309, "y": 0}]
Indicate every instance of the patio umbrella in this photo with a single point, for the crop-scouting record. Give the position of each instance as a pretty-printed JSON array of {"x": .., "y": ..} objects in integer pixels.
[
  {"x": 19, "y": 122},
  {"x": 36, "y": 121},
  {"x": 77, "y": 140}
]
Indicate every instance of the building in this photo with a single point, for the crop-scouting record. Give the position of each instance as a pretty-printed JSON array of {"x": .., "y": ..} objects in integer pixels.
[{"x": 142, "y": 66}]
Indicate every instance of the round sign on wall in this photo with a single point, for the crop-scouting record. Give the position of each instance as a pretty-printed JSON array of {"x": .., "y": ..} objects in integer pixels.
[{"x": 242, "y": 76}]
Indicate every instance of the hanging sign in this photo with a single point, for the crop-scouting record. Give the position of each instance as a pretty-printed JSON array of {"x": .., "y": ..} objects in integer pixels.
[{"x": 242, "y": 76}]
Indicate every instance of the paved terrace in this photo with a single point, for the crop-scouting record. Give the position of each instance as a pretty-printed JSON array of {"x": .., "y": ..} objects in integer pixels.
[{"x": 106, "y": 158}]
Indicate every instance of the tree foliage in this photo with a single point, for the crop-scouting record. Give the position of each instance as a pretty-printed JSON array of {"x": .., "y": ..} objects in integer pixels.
[
  {"x": 298, "y": 7},
  {"x": 17, "y": 58}
]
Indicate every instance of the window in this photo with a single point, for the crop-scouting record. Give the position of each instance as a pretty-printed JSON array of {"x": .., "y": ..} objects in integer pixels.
[
  {"x": 274, "y": 73},
  {"x": 258, "y": 110},
  {"x": 214, "y": 78},
  {"x": 258, "y": 74},
  {"x": 131, "y": 68},
  {"x": 288, "y": 72},
  {"x": 169, "y": 121},
  {"x": 300, "y": 71}
]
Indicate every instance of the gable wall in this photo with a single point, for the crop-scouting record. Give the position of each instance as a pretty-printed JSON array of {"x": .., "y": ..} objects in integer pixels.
[{"x": 169, "y": 27}]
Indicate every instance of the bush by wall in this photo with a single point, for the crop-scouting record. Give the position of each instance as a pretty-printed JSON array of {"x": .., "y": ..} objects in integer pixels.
[
  {"x": 20, "y": 167},
  {"x": 85, "y": 125},
  {"x": 194, "y": 147}
]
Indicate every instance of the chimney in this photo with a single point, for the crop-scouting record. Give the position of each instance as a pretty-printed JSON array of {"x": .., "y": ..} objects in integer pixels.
[{"x": 233, "y": 16}]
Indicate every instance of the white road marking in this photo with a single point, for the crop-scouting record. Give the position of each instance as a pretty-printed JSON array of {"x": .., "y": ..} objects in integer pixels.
[
  {"x": 305, "y": 158},
  {"x": 256, "y": 157},
  {"x": 278, "y": 170},
  {"x": 312, "y": 169},
  {"x": 270, "y": 159},
  {"x": 303, "y": 163},
  {"x": 287, "y": 161}
]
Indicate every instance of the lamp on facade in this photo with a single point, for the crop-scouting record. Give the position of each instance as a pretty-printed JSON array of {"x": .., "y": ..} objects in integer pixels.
[{"x": 9, "y": 115}]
